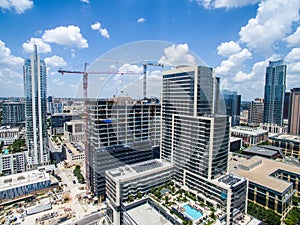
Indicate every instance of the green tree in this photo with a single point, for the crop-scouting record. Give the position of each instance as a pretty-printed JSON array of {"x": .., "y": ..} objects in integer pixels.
[
  {"x": 130, "y": 198},
  {"x": 17, "y": 145},
  {"x": 212, "y": 215},
  {"x": 139, "y": 194},
  {"x": 296, "y": 200},
  {"x": 293, "y": 216},
  {"x": 166, "y": 199},
  {"x": 152, "y": 190},
  {"x": 266, "y": 215}
]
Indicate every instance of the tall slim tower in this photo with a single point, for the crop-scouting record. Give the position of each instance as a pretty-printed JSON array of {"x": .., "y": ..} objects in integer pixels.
[
  {"x": 35, "y": 92},
  {"x": 233, "y": 104},
  {"x": 294, "y": 112},
  {"x": 275, "y": 85}
]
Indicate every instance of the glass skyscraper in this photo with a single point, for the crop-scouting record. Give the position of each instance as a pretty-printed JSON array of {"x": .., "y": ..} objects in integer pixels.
[
  {"x": 233, "y": 104},
  {"x": 196, "y": 140},
  {"x": 35, "y": 92},
  {"x": 193, "y": 138},
  {"x": 275, "y": 85}
]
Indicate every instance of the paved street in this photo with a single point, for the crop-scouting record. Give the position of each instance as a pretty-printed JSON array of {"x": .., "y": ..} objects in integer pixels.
[{"x": 89, "y": 219}]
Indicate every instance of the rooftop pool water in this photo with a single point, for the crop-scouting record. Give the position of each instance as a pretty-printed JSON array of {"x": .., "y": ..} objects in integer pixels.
[{"x": 192, "y": 212}]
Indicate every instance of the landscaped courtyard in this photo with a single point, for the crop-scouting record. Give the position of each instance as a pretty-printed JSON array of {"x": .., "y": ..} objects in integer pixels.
[{"x": 183, "y": 205}]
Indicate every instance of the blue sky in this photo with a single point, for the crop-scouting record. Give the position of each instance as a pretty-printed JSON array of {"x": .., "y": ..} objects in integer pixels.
[{"x": 236, "y": 37}]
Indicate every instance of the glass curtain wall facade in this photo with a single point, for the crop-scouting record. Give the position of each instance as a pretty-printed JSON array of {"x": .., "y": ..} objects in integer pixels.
[
  {"x": 13, "y": 113},
  {"x": 35, "y": 91},
  {"x": 193, "y": 138},
  {"x": 196, "y": 140},
  {"x": 275, "y": 85},
  {"x": 233, "y": 104},
  {"x": 121, "y": 131}
]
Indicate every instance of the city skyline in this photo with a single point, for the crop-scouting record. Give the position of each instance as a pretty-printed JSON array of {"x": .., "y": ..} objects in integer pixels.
[{"x": 83, "y": 30}]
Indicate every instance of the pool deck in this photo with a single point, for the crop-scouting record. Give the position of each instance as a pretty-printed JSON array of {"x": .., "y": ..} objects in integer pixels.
[{"x": 204, "y": 210}]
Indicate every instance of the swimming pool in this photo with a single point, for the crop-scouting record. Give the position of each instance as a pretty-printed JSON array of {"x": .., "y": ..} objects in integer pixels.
[{"x": 192, "y": 213}]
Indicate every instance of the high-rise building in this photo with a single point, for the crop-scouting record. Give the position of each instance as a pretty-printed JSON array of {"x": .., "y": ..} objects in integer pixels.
[
  {"x": 232, "y": 104},
  {"x": 256, "y": 111},
  {"x": 13, "y": 113},
  {"x": 121, "y": 131},
  {"x": 35, "y": 92},
  {"x": 294, "y": 112},
  {"x": 196, "y": 140},
  {"x": 275, "y": 85},
  {"x": 286, "y": 105}
]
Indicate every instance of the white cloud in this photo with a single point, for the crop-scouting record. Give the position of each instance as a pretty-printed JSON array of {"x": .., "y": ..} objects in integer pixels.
[
  {"x": 224, "y": 84},
  {"x": 129, "y": 68},
  {"x": 241, "y": 76},
  {"x": 58, "y": 82},
  {"x": 96, "y": 26},
  {"x": 55, "y": 61},
  {"x": 102, "y": 31},
  {"x": 228, "y": 48},
  {"x": 41, "y": 45},
  {"x": 294, "y": 39},
  {"x": 10, "y": 76},
  {"x": 258, "y": 69},
  {"x": 112, "y": 66},
  {"x": 292, "y": 81},
  {"x": 178, "y": 55},
  {"x": 20, "y": 6},
  {"x": 293, "y": 55},
  {"x": 226, "y": 3},
  {"x": 9, "y": 73},
  {"x": 85, "y": 1},
  {"x": 272, "y": 22},
  {"x": 141, "y": 20},
  {"x": 294, "y": 68},
  {"x": 7, "y": 59},
  {"x": 69, "y": 36},
  {"x": 233, "y": 63}
]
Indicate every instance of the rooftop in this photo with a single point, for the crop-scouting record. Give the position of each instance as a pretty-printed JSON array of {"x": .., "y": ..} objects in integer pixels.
[
  {"x": 248, "y": 130},
  {"x": 4, "y": 130},
  {"x": 21, "y": 179},
  {"x": 288, "y": 137},
  {"x": 258, "y": 170},
  {"x": 75, "y": 148},
  {"x": 260, "y": 151},
  {"x": 128, "y": 171},
  {"x": 230, "y": 179},
  {"x": 146, "y": 215}
]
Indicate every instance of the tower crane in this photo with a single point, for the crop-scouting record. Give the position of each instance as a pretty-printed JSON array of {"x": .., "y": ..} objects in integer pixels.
[
  {"x": 145, "y": 64},
  {"x": 85, "y": 95}
]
